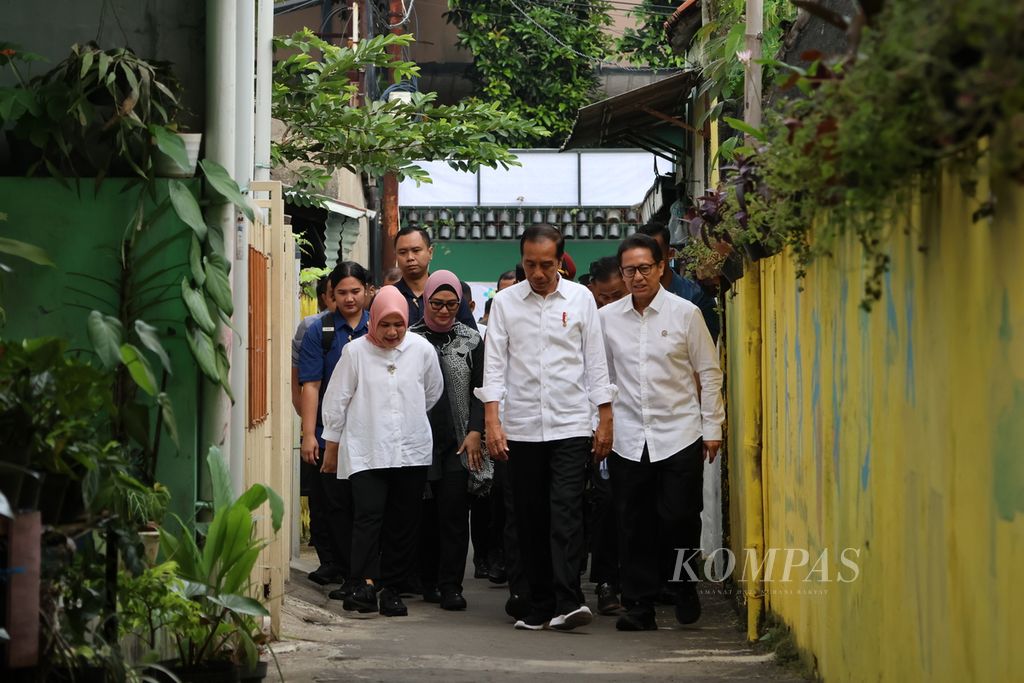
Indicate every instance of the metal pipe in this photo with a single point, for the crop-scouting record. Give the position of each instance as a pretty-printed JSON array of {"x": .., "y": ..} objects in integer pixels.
[
  {"x": 264, "y": 85},
  {"x": 221, "y": 36}
]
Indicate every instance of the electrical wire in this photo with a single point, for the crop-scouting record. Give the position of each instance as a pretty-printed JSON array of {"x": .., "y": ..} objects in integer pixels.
[{"x": 405, "y": 18}]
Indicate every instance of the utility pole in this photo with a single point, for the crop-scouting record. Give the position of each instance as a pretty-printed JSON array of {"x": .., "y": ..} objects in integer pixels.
[
  {"x": 389, "y": 201},
  {"x": 752, "y": 80}
]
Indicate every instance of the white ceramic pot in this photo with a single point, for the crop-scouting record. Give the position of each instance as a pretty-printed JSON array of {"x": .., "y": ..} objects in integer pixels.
[{"x": 165, "y": 167}]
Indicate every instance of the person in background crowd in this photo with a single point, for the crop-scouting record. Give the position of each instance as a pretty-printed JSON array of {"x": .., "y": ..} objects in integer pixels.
[
  {"x": 321, "y": 348},
  {"x": 377, "y": 404},
  {"x": 657, "y": 344},
  {"x": 607, "y": 281},
  {"x": 456, "y": 422},
  {"x": 392, "y": 276},
  {"x": 309, "y": 484},
  {"x": 506, "y": 279},
  {"x": 682, "y": 286},
  {"x": 545, "y": 357},
  {"x": 414, "y": 252}
]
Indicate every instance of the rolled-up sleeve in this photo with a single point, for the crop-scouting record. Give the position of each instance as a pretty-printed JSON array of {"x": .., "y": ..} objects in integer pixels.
[
  {"x": 599, "y": 387},
  {"x": 704, "y": 357},
  {"x": 495, "y": 356},
  {"x": 338, "y": 396}
]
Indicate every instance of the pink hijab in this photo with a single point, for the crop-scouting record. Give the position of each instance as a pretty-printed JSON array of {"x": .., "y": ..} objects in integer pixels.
[
  {"x": 387, "y": 301},
  {"x": 437, "y": 280}
]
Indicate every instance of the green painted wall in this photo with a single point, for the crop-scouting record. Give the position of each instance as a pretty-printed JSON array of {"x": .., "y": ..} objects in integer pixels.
[
  {"x": 81, "y": 230},
  {"x": 484, "y": 261}
]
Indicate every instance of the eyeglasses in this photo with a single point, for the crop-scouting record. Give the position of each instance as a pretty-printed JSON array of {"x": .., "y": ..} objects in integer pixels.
[
  {"x": 644, "y": 269},
  {"x": 436, "y": 305}
]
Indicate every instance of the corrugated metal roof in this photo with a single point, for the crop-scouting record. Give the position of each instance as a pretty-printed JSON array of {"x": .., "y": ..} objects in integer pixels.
[{"x": 616, "y": 121}]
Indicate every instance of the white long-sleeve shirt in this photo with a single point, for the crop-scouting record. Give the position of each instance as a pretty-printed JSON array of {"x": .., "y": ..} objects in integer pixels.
[
  {"x": 545, "y": 356},
  {"x": 376, "y": 405},
  {"x": 653, "y": 357}
]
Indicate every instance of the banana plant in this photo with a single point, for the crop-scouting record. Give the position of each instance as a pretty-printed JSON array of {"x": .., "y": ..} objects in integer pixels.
[{"x": 217, "y": 570}]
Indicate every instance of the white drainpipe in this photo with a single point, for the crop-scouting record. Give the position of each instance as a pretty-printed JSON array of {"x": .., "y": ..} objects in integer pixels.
[
  {"x": 221, "y": 75},
  {"x": 264, "y": 83}
]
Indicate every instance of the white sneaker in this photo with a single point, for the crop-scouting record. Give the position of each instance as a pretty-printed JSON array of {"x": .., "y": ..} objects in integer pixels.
[
  {"x": 522, "y": 625},
  {"x": 567, "y": 622}
]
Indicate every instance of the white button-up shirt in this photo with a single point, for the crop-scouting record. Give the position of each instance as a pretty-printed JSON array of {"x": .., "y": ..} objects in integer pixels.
[
  {"x": 376, "y": 405},
  {"x": 545, "y": 357},
  {"x": 653, "y": 357}
]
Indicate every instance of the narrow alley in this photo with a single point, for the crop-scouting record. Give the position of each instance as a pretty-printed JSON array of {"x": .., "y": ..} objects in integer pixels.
[{"x": 322, "y": 643}]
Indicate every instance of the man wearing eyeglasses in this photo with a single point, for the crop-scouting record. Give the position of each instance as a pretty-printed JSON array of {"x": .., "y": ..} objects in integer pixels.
[
  {"x": 664, "y": 429},
  {"x": 414, "y": 251}
]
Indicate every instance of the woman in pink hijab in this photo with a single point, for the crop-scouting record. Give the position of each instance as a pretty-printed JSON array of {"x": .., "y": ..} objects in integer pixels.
[
  {"x": 378, "y": 437},
  {"x": 456, "y": 422}
]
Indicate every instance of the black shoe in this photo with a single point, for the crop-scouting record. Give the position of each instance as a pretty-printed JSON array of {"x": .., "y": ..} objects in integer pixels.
[
  {"x": 453, "y": 601},
  {"x": 481, "y": 569},
  {"x": 636, "y": 621},
  {"x": 688, "y": 606},
  {"x": 517, "y": 607},
  {"x": 347, "y": 589},
  {"x": 363, "y": 599},
  {"x": 325, "y": 574},
  {"x": 497, "y": 573},
  {"x": 391, "y": 604},
  {"x": 607, "y": 600},
  {"x": 432, "y": 595}
]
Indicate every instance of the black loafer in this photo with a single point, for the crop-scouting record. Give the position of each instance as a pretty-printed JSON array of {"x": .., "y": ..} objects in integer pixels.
[
  {"x": 607, "y": 600},
  {"x": 453, "y": 601},
  {"x": 497, "y": 574},
  {"x": 391, "y": 604},
  {"x": 636, "y": 621},
  {"x": 517, "y": 607},
  {"x": 480, "y": 570},
  {"x": 347, "y": 589},
  {"x": 325, "y": 574},
  {"x": 362, "y": 600}
]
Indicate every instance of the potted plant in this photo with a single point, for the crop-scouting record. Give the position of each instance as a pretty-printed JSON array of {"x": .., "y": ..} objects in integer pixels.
[{"x": 216, "y": 573}]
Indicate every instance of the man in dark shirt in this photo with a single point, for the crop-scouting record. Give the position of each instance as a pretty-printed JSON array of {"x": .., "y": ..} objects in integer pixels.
[
  {"x": 681, "y": 286},
  {"x": 414, "y": 251}
]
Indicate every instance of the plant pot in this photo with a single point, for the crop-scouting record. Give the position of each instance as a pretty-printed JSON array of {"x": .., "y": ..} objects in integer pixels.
[
  {"x": 165, "y": 167},
  {"x": 213, "y": 671},
  {"x": 756, "y": 250},
  {"x": 150, "y": 536},
  {"x": 254, "y": 675}
]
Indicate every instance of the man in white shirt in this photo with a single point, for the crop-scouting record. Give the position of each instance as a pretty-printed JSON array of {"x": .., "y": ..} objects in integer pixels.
[
  {"x": 664, "y": 428},
  {"x": 545, "y": 357}
]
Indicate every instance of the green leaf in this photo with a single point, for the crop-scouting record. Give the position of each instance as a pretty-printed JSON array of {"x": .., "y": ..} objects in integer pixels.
[
  {"x": 239, "y": 604},
  {"x": 218, "y": 285},
  {"x": 170, "y": 421},
  {"x": 138, "y": 368},
  {"x": 170, "y": 144},
  {"x": 224, "y": 185},
  {"x": 197, "y": 308},
  {"x": 29, "y": 252},
  {"x": 202, "y": 350},
  {"x": 187, "y": 208},
  {"x": 744, "y": 127},
  {"x": 220, "y": 479},
  {"x": 151, "y": 340},
  {"x": 105, "y": 333},
  {"x": 195, "y": 262},
  {"x": 254, "y": 497},
  {"x": 223, "y": 366}
]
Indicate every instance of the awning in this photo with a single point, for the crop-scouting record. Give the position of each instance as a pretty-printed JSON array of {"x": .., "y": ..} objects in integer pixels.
[
  {"x": 651, "y": 118},
  {"x": 331, "y": 205}
]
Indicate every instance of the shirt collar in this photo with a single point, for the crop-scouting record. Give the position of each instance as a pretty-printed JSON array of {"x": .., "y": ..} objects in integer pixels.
[
  {"x": 340, "y": 322},
  {"x": 561, "y": 288},
  {"x": 657, "y": 303}
]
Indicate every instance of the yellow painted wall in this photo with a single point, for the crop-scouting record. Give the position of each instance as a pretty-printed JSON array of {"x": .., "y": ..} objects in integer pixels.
[{"x": 898, "y": 432}]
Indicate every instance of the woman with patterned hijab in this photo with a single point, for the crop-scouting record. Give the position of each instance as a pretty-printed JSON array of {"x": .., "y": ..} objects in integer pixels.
[{"x": 456, "y": 422}]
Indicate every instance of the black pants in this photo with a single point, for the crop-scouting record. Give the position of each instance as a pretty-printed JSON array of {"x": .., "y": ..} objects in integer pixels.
[
  {"x": 504, "y": 511},
  {"x": 547, "y": 485},
  {"x": 480, "y": 527},
  {"x": 330, "y": 518},
  {"x": 604, "y": 531},
  {"x": 444, "y": 533},
  {"x": 386, "y": 515},
  {"x": 657, "y": 499}
]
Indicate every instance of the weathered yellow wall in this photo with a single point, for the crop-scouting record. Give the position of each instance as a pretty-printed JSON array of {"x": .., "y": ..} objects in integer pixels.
[{"x": 898, "y": 432}]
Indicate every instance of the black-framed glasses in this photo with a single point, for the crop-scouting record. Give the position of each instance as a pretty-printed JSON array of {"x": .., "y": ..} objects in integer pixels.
[
  {"x": 436, "y": 305},
  {"x": 630, "y": 271}
]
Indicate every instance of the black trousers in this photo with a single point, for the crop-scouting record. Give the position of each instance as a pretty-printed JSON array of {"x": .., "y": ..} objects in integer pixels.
[
  {"x": 480, "y": 527},
  {"x": 504, "y": 512},
  {"x": 386, "y": 515},
  {"x": 547, "y": 485},
  {"x": 604, "y": 531},
  {"x": 658, "y": 505},
  {"x": 330, "y": 518},
  {"x": 444, "y": 533}
]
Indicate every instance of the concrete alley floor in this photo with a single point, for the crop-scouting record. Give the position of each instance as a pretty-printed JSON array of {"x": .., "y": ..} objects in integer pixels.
[{"x": 322, "y": 643}]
